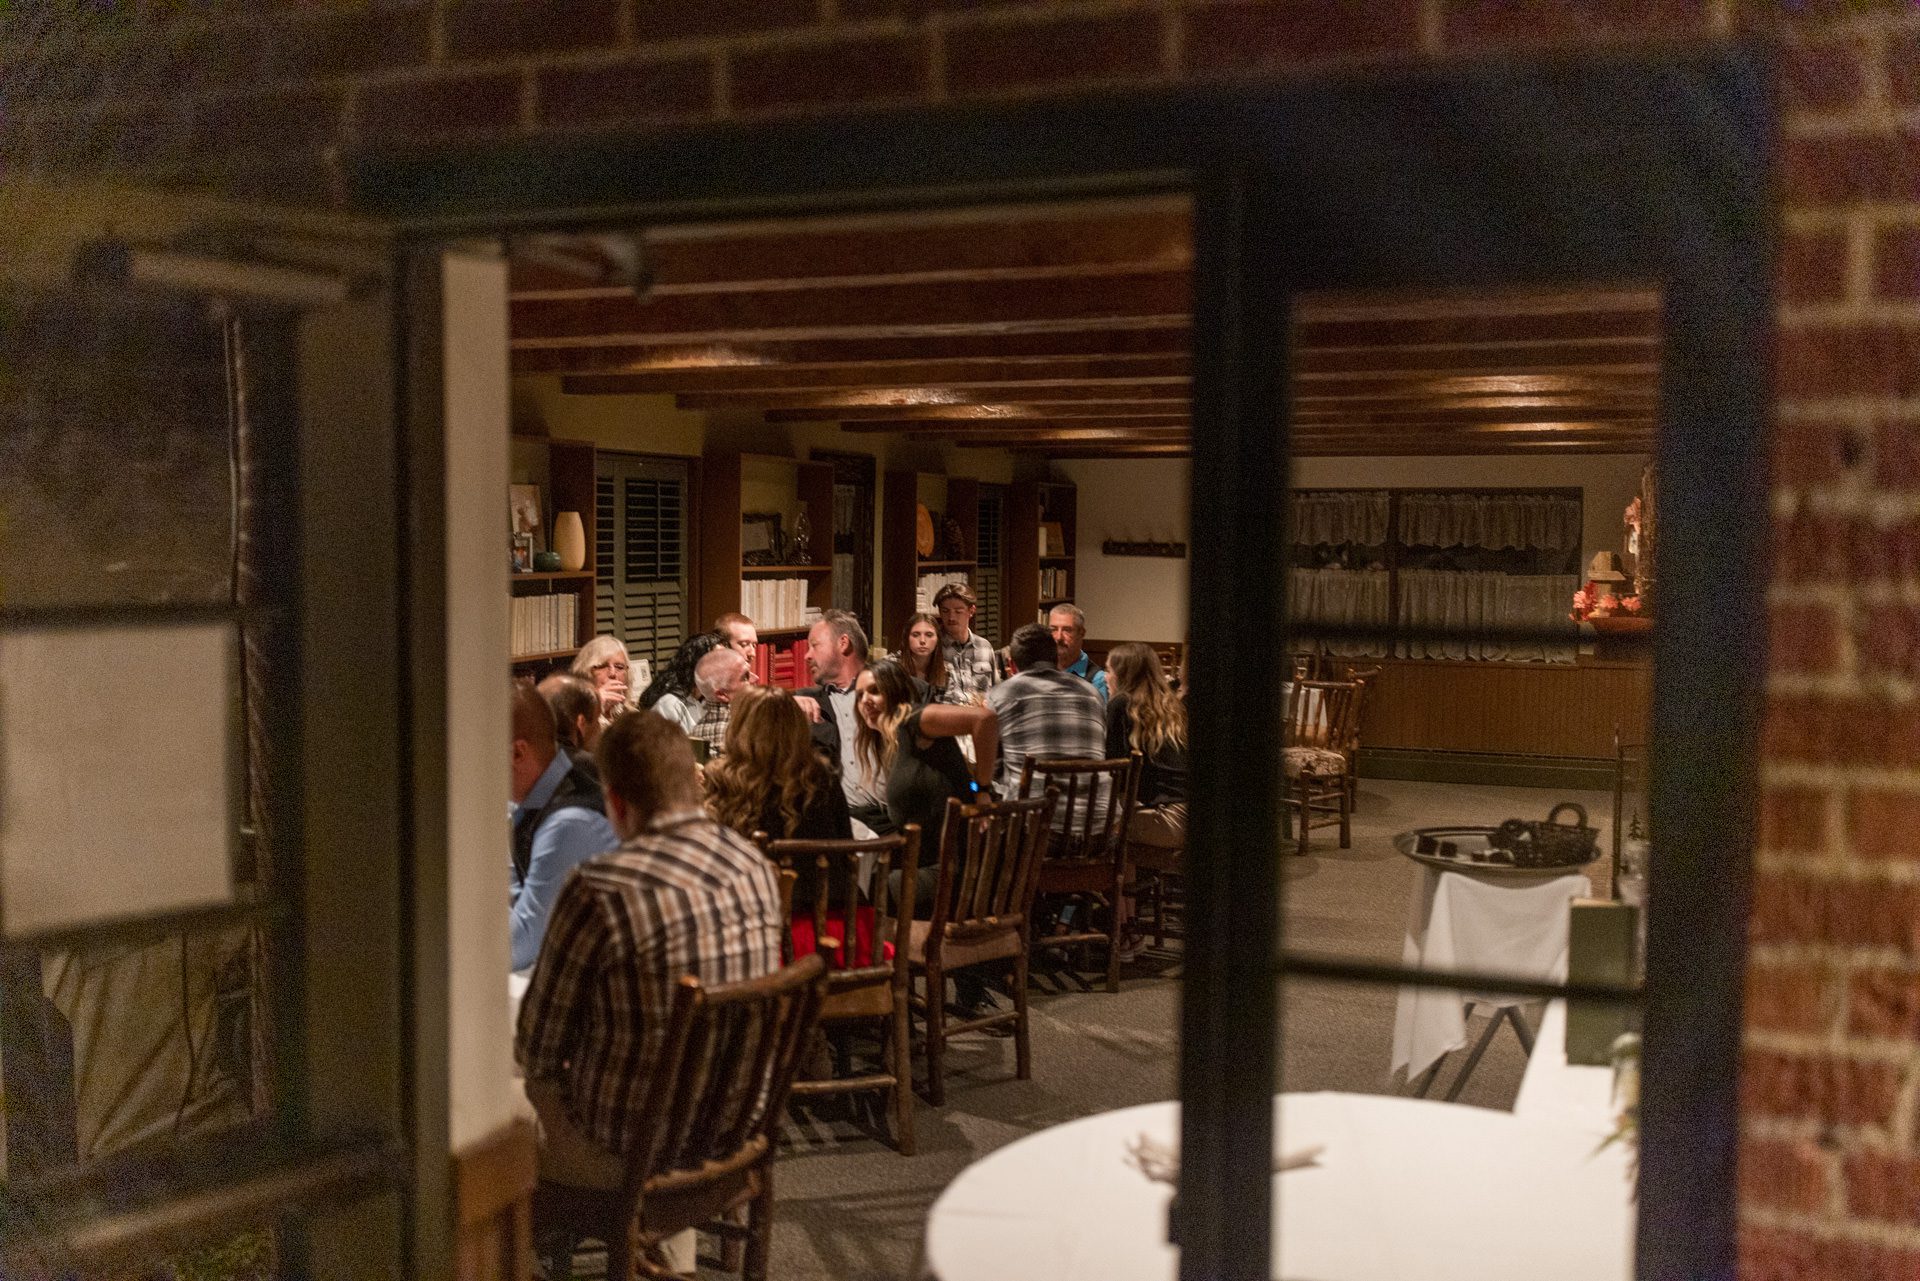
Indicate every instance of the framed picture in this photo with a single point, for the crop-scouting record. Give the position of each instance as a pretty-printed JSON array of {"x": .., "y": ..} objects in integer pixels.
[
  {"x": 523, "y": 505},
  {"x": 522, "y": 553},
  {"x": 760, "y": 541}
]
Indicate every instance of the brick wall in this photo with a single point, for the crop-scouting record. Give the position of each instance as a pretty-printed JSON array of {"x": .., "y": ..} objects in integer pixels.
[{"x": 257, "y": 94}]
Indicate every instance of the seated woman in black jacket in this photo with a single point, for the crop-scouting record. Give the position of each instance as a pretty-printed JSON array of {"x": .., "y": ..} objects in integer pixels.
[{"x": 1144, "y": 715}]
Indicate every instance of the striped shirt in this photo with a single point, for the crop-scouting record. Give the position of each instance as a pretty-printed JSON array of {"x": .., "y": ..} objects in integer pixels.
[{"x": 686, "y": 897}]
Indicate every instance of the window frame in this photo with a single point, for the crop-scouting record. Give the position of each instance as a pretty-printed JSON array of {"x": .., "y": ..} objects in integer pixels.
[{"x": 1643, "y": 166}]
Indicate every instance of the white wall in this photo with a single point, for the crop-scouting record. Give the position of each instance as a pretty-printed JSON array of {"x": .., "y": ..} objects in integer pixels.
[
  {"x": 1146, "y": 500},
  {"x": 480, "y": 1038}
]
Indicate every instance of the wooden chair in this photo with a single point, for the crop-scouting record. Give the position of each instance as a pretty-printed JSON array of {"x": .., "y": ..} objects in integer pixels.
[
  {"x": 990, "y": 856},
  {"x": 1320, "y": 720},
  {"x": 1087, "y": 850},
  {"x": 1363, "y": 677},
  {"x": 718, "y": 1089},
  {"x": 861, "y": 988}
]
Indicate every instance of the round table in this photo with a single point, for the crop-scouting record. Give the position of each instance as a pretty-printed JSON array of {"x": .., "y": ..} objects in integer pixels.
[{"x": 1406, "y": 1190}]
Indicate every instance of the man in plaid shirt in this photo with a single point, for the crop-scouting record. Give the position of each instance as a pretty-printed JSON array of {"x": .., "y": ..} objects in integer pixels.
[
  {"x": 971, "y": 670},
  {"x": 682, "y": 895},
  {"x": 1044, "y": 713}
]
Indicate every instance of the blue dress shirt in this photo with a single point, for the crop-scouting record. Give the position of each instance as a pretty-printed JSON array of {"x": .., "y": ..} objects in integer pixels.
[
  {"x": 567, "y": 838},
  {"x": 1084, "y": 667}
]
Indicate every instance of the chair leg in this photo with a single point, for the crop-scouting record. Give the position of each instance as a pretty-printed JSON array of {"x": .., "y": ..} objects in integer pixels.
[
  {"x": 902, "y": 1076},
  {"x": 759, "y": 1226},
  {"x": 1022, "y": 1047},
  {"x": 1346, "y": 820},
  {"x": 936, "y": 1035},
  {"x": 1306, "y": 813}
]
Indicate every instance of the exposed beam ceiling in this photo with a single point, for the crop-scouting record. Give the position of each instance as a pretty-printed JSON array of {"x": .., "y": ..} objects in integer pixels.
[{"x": 1065, "y": 328}]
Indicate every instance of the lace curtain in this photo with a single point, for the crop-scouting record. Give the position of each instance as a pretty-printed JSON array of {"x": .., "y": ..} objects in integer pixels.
[
  {"x": 1528, "y": 522},
  {"x": 1345, "y": 597},
  {"x": 1486, "y": 601},
  {"x": 1328, "y": 517}
]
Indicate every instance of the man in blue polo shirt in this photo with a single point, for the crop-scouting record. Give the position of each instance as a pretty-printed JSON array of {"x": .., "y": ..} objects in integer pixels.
[
  {"x": 1069, "y": 627},
  {"x": 559, "y": 821}
]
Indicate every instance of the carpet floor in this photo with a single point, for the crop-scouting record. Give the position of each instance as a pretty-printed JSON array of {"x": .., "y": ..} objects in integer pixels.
[{"x": 851, "y": 1209}]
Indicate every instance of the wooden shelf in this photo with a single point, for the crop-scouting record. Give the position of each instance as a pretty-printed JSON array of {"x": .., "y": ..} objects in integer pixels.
[
  {"x": 1051, "y": 600},
  {"x": 1056, "y": 560},
  {"x": 1031, "y": 504},
  {"x": 553, "y": 576},
  {"x": 948, "y": 564},
  {"x": 546, "y": 657},
  {"x": 955, "y": 498},
  {"x": 765, "y": 632},
  {"x": 726, "y": 480},
  {"x": 786, "y": 569}
]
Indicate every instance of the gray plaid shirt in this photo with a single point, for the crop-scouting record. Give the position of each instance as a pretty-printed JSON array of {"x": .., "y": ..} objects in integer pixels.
[
  {"x": 1049, "y": 714},
  {"x": 970, "y": 667}
]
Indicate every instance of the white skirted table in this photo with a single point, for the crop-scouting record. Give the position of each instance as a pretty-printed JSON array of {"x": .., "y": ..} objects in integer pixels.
[
  {"x": 1405, "y": 1190},
  {"x": 1476, "y": 923}
]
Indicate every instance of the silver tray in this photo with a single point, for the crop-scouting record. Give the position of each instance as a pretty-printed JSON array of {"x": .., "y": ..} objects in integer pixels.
[{"x": 1469, "y": 840}]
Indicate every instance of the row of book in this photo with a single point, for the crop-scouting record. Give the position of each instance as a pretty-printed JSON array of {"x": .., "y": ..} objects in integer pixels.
[
  {"x": 777, "y": 604},
  {"x": 1054, "y": 585},
  {"x": 544, "y": 624},
  {"x": 783, "y": 664},
  {"x": 930, "y": 585}
]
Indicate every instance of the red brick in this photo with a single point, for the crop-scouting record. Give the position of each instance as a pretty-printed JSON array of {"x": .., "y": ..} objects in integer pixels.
[
  {"x": 1802, "y": 638},
  {"x": 1784, "y": 1176},
  {"x": 1786, "y": 1000},
  {"x": 1849, "y": 359},
  {"x": 1823, "y": 76},
  {"x": 694, "y": 19},
  {"x": 836, "y": 74},
  {"x": 1815, "y": 455},
  {"x": 1896, "y": 456},
  {"x": 1884, "y": 1003},
  {"x": 1883, "y": 1186},
  {"x": 633, "y": 90},
  {"x": 1033, "y": 55},
  {"x": 1896, "y": 262},
  {"x": 1793, "y": 819},
  {"x": 1772, "y": 1254},
  {"x": 1479, "y": 24},
  {"x": 1840, "y": 731},
  {"x": 351, "y": 43},
  {"x": 1818, "y": 1087},
  {"x": 1808, "y": 909},
  {"x": 1884, "y": 824},
  {"x": 1846, "y": 168},
  {"x": 1812, "y": 266},
  {"x": 439, "y": 108},
  {"x": 513, "y": 28},
  {"x": 1888, "y": 637},
  {"x": 1271, "y": 35},
  {"x": 276, "y": 120},
  {"x": 1902, "y": 61},
  {"x": 1817, "y": 547}
]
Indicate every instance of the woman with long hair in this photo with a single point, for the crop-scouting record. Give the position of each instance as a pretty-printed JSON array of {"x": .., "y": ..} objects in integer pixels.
[
  {"x": 1145, "y": 715},
  {"x": 911, "y": 745},
  {"x": 771, "y": 778},
  {"x": 678, "y": 676},
  {"x": 920, "y": 654},
  {"x": 604, "y": 661}
]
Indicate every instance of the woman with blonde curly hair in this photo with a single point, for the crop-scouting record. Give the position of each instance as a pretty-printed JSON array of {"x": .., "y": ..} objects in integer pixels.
[{"x": 1145, "y": 715}]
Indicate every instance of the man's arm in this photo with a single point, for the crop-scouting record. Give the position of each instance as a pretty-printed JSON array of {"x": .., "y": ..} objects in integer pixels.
[
  {"x": 554, "y": 1005},
  {"x": 567, "y": 839}
]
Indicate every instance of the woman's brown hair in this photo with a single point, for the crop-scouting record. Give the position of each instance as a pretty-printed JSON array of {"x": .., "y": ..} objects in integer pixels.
[
  {"x": 1159, "y": 715},
  {"x": 936, "y": 669},
  {"x": 769, "y": 757}
]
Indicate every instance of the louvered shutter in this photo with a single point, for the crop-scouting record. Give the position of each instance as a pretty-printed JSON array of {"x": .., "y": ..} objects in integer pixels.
[
  {"x": 641, "y": 594},
  {"x": 986, "y": 583}
]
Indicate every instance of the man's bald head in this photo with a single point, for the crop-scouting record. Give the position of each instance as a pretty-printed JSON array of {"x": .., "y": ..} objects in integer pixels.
[{"x": 718, "y": 673}]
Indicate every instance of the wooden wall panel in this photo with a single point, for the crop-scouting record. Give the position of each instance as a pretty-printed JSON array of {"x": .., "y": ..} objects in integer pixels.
[
  {"x": 1526, "y": 709},
  {"x": 493, "y": 1183}
]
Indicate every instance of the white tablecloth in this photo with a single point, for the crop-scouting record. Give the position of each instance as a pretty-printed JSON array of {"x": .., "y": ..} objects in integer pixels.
[
  {"x": 1562, "y": 1092},
  {"x": 1407, "y": 1190},
  {"x": 1484, "y": 924}
]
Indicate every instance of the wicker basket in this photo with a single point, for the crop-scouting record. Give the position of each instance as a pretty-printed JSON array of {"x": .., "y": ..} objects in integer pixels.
[{"x": 1548, "y": 843}]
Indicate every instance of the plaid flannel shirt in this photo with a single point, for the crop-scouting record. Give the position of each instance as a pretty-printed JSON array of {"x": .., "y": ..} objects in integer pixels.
[
  {"x": 686, "y": 897},
  {"x": 1046, "y": 713},
  {"x": 970, "y": 667}
]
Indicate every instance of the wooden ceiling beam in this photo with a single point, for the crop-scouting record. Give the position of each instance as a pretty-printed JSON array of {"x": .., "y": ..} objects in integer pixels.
[
  {"x": 953, "y": 373},
  {"x": 908, "y": 398},
  {"x": 1155, "y": 298},
  {"x": 863, "y": 417},
  {"x": 613, "y": 353},
  {"x": 1310, "y": 333},
  {"x": 967, "y": 427},
  {"x": 1638, "y": 414}
]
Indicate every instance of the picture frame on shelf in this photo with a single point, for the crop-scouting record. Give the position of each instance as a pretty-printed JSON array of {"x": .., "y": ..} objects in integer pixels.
[
  {"x": 760, "y": 538},
  {"x": 523, "y": 508},
  {"x": 520, "y": 556}
]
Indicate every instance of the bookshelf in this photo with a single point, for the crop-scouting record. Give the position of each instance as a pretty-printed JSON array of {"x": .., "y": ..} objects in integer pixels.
[
  {"x": 955, "y": 498},
  {"x": 739, "y": 484},
  {"x": 552, "y": 611},
  {"x": 1037, "y": 580}
]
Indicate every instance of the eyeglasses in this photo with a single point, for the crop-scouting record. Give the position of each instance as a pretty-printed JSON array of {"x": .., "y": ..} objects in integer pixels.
[{"x": 614, "y": 664}]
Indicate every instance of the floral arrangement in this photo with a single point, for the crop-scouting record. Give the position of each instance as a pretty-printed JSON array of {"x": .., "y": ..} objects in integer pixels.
[{"x": 1596, "y": 600}]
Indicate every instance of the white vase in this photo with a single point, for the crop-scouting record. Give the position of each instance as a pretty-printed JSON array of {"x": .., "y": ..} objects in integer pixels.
[{"x": 570, "y": 540}]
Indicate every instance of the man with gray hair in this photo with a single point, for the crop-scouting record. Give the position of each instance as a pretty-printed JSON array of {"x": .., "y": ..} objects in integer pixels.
[
  {"x": 718, "y": 674},
  {"x": 1069, "y": 627}
]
